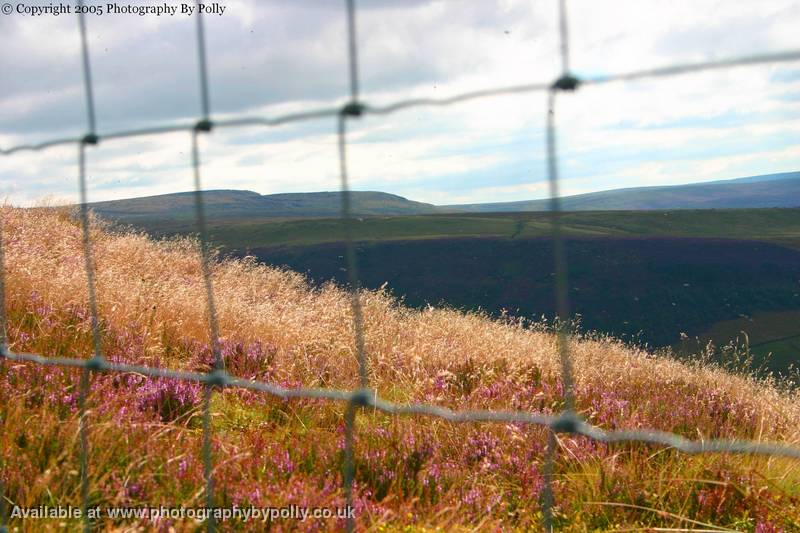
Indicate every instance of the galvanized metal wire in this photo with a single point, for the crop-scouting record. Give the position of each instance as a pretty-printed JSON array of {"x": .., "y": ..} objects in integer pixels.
[
  {"x": 353, "y": 109},
  {"x": 560, "y": 266},
  {"x": 566, "y": 422},
  {"x": 205, "y": 125},
  {"x": 86, "y": 377}
]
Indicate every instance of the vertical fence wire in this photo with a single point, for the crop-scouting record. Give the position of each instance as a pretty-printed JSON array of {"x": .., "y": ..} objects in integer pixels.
[
  {"x": 563, "y": 322},
  {"x": 354, "y": 279},
  {"x": 563, "y": 30},
  {"x": 205, "y": 266},
  {"x": 91, "y": 284},
  {"x": 348, "y": 466},
  {"x": 201, "y": 59},
  {"x": 87, "y": 72},
  {"x": 204, "y": 125},
  {"x": 348, "y": 463},
  {"x": 352, "y": 109},
  {"x": 547, "y": 498},
  {"x": 96, "y": 340},
  {"x": 352, "y": 49},
  {"x": 208, "y": 464},
  {"x": 88, "y": 258},
  {"x": 84, "y": 444}
]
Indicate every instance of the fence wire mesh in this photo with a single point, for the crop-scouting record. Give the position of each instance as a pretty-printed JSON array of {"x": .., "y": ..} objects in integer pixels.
[{"x": 566, "y": 422}]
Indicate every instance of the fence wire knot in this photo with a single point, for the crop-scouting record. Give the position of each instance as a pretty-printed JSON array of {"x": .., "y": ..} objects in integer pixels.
[
  {"x": 218, "y": 378},
  {"x": 362, "y": 397},
  {"x": 353, "y": 109},
  {"x": 204, "y": 125},
  {"x": 90, "y": 138},
  {"x": 567, "y": 422},
  {"x": 96, "y": 363},
  {"x": 567, "y": 82}
]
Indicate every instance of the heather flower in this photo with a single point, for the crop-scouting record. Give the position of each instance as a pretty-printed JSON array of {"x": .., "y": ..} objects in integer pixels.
[
  {"x": 283, "y": 462},
  {"x": 134, "y": 491},
  {"x": 471, "y": 497},
  {"x": 433, "y": 476},
  {"x": 170, "y": 399},
  {"x": 767, "y": 527},
  {"x": 481, "y": 448},
  {"x": 183, "y": 467}
]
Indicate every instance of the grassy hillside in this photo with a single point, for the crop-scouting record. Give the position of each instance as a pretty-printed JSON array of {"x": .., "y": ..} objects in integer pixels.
[
  {"x": 667, "y": 280},
  {"x": 411, "y": 473}
]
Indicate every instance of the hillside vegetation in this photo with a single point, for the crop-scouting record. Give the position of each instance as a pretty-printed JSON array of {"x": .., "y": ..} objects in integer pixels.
[{"x": 413, "y": 473}]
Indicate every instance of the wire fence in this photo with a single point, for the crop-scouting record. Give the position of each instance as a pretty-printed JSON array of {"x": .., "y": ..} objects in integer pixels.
[{"x": 566, "y": 422}]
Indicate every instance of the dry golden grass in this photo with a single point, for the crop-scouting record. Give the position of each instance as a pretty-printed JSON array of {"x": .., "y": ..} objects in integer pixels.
[{"x": 155, "y": 289}]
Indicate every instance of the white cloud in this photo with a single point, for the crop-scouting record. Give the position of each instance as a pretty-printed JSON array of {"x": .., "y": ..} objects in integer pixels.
[{"x": 273, "y": 57}]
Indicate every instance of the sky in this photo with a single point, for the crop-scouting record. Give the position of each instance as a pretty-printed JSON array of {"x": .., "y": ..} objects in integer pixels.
[{"x": 270, "y": 57}]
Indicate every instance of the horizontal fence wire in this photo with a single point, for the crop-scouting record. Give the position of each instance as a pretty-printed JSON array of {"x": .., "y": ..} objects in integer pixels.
[
  {"x": 410, "y": 103},
  {"x": 565, "y": 422},
  {"x": 560, "y": 423}
]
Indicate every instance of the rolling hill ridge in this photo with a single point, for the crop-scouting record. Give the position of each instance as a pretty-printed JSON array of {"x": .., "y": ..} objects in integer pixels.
[
  {"x": 237, "y": 204},
  {"x": 770, "y": 190}
]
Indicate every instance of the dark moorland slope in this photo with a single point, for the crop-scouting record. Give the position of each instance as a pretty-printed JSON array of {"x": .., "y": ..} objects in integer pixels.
[{"x": 649, "y": 289}]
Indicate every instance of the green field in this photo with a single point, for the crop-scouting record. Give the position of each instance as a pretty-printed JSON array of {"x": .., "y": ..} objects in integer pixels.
[
  {"x": 780, "y": 226},
  {"x": 771, "y": 336}
]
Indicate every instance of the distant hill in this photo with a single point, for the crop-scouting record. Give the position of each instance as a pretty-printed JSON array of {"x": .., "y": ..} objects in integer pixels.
[
  {"x": 769, "y": 190},
  {"x": 233, "y": 204}
]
